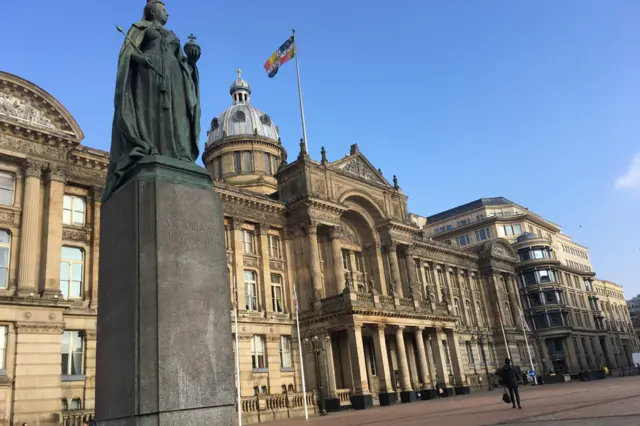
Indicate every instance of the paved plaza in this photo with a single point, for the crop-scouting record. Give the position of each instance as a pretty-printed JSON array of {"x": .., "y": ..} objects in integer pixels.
[{"x": 608, "y": 402}]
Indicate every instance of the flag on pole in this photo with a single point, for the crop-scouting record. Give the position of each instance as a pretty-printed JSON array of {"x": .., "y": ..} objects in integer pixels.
[
  {"x": 281, "y": 56},
  {"x": 525, "y": 326},
  {"x": 295, "y": 300}
]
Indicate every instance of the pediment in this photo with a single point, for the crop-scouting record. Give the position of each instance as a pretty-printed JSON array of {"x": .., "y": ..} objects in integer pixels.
[
  {"x": 23, "y": 111},
  {"x": 357, "y": 165},
  {"x": 24, "y": 103}
]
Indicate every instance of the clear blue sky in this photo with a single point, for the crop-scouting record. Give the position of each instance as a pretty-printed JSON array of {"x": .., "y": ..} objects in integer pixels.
[{"x": 536, "y": 101}]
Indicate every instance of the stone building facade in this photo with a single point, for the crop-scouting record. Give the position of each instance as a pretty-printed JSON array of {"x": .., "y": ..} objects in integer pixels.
[{"x": 387, "y": 311}]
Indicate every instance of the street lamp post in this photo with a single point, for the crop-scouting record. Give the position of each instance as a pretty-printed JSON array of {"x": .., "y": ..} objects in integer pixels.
[
  {"x": 316, "y": 346},
  {"x": 484, "y": 360}
]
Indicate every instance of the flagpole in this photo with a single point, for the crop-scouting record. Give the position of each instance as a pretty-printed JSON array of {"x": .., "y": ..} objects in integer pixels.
[
  {"x": 504, "y": 336},
  {"x": 235, "y": 295},
  {"x": 304, "y": 385},
  {"x": 304, "y": 125},
  {"x": 526, "y": 342}
]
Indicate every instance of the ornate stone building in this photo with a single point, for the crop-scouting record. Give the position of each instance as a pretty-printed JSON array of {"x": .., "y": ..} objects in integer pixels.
[{"x": 387, "y": 312}]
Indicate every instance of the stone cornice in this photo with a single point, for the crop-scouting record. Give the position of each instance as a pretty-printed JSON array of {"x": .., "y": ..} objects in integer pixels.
[
  {"x": 425, "y": 247},
  {"x": 250, "y": 206},
  {"x": 38, "y": 144},
  {"x": 39, "y": 328}
]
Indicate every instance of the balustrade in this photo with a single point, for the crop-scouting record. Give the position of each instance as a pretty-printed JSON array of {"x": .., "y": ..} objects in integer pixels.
[{"x": 76, "y": 417}]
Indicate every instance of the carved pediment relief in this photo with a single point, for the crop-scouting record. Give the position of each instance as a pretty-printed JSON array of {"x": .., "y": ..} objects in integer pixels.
[
  {"x": 359, "y": 167},
  {"x": 499, "y": 250},
  {"x": 22, "y": 110}
]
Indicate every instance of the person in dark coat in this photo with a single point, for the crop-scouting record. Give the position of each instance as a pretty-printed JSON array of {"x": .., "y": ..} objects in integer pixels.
[{"x": 510, "y": 381}]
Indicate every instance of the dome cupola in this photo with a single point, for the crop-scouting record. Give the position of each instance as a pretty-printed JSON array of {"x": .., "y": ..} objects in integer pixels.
[{"x": 243, "y": 146}]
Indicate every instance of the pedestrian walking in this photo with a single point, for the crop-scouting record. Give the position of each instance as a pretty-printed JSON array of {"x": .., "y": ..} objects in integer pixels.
[{"x": 510, "y": 381}]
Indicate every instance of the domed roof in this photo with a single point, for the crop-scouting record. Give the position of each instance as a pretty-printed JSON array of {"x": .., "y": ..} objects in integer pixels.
[
  {"x": 526, "y": 236},
  {"x": 241, "y": 118}
]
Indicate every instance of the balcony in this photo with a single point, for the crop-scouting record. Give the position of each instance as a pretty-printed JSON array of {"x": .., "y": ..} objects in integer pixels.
[
  {"x": 351, "y": 299},
  {"x": 76, "y": 417}
]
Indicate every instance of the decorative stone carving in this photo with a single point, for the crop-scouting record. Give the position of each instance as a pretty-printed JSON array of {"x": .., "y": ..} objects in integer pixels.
[
  {"x": 500, "y": 250},
  {"x": 78, "y": 235},
  {"x": 33, "y": 168},
  {"x": 231, "y": 209},
  {"x": 264, "y": 229},
  {"x": 250, "y": 261},
  {"x": 357, "y": 167},
  {"x": 23, "y": 111},
  {"x": 90, "y": 334},
  {"x": 276, "y": 265},
  {"x": 7, "y": 217},
  {"x": 323, "y": 216},
  {"x": 29, "y": 147},
  {"x": 237, "y": 223},
  {"x": 84, "y": 173},
  {"x": 97, "y": 194},
  {"x": 39, "y": 328},
  {"x": 55, "y": 173}
]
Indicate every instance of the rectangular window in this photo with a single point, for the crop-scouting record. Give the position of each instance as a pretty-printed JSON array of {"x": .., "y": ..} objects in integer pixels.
[
  {"x": 359, "y": 262},
  {"x": 71, "y": 272},
  {"x": 3, "y": 348},
  {"x": 72, "y": 353},
  {"x": 237, "y": 162},
  {"x": 258, "y": 358},
  {"x": 544, "y": 275},
  {"x": 247, "y": 163},
  {"x": 7, "y": 188},
  {"x": 418, "y": 269},
  {"x": 274, "y": 247},
  {"x": 251, "y": 290},
  {"x": 267, "y": 164},
  {"x": 276, "y": 293},
  {"x": 285, "y": 352},
  {"x": 218, "y": 166},
  {"x": 73, "y": 210},
  {"x": 345, "y": 260},
  {"x": 5, "y": 250},
  {"x": 464, "y": 240},
  {"x": 483, "y": 234},
  {"x": 248, "y": 242}
]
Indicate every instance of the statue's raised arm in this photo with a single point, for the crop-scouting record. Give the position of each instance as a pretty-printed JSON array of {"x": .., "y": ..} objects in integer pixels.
[{"x": 157, "y": 97}]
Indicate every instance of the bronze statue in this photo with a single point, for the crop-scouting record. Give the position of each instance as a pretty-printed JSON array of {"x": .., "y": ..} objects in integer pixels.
[{"x": 157, "y": 99}]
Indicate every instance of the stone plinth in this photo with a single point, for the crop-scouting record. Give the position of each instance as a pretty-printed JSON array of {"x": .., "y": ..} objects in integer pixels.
[{"x": 165, "y": 354}]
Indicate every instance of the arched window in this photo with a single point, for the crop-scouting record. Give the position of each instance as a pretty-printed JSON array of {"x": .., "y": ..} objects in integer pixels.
[
  {"x": 76, "y": 404},
  {"x": 456, "y": 307},
  {"x": 71, "y": 272},
  {"x": 507, "y": 314},
  {"x": 5, "y": 251},
  {"x": 479, "y": 313},
  {"x": 65, "y": 405},
  {"x": 467, "y": 307}
]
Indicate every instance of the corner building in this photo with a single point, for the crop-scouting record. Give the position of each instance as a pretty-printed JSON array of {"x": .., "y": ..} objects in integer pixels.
[{"x": 387, "y": 312}]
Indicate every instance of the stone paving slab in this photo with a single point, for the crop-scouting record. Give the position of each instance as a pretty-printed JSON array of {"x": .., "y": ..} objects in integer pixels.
[{"x": 611, "y": 402}]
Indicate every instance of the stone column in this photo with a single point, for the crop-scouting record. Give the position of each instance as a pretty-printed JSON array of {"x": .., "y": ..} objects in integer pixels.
[
  {"x": 95, "y": 245},
  {"x": 238, "y": 262},
  {"x": 439, "y": 357},
  {"x": 582, "y": 359},
  {"x": 386, "y": 396},
  {"x": 570, "y": 354},
  {"x": 362, "y": 397},
  {"x": 264, "y": 283},
  {"x": 411, "y": 274},
  {"x": 601, "y": 357},
  {"x": 456, "y": 360},
  {"x": 314, "y": 261},
  {"x": 30, "y": 231},
  {"x": 403, "y": 365},
  {"x": 395, "y": 269},
  {"x": 330, "y": 367},
  {"x": 379, "y": 265},
  {"x": 514, "y": 301},
  {"x": 546, "y": 363},
  {"x": 336, "y": 251},
  {"x": 422, "y": 358},
  {"x": 52, "y": 244}
]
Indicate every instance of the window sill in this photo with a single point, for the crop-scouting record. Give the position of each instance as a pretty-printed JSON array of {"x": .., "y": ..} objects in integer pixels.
[
  {"x": 286, "y": 369},
  {"x": 261, "y": 370},
  {"x": 79, "y": 378}
]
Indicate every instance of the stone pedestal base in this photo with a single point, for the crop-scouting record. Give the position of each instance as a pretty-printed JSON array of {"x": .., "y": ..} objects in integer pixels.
[
  {"x": 332, "y": 404},
  {"x": 407, "y": 396},
  {"x": 462, "y": 390},
  {"x": 361, "y": 402},
  {"x": 387, "y": 398},
  {"x": 165, "y": 354},
  {"x": 426, "y": 394}
]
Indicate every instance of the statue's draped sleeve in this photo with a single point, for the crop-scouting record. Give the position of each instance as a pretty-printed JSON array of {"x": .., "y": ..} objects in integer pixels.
[{"x": 127, "y": 144}]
